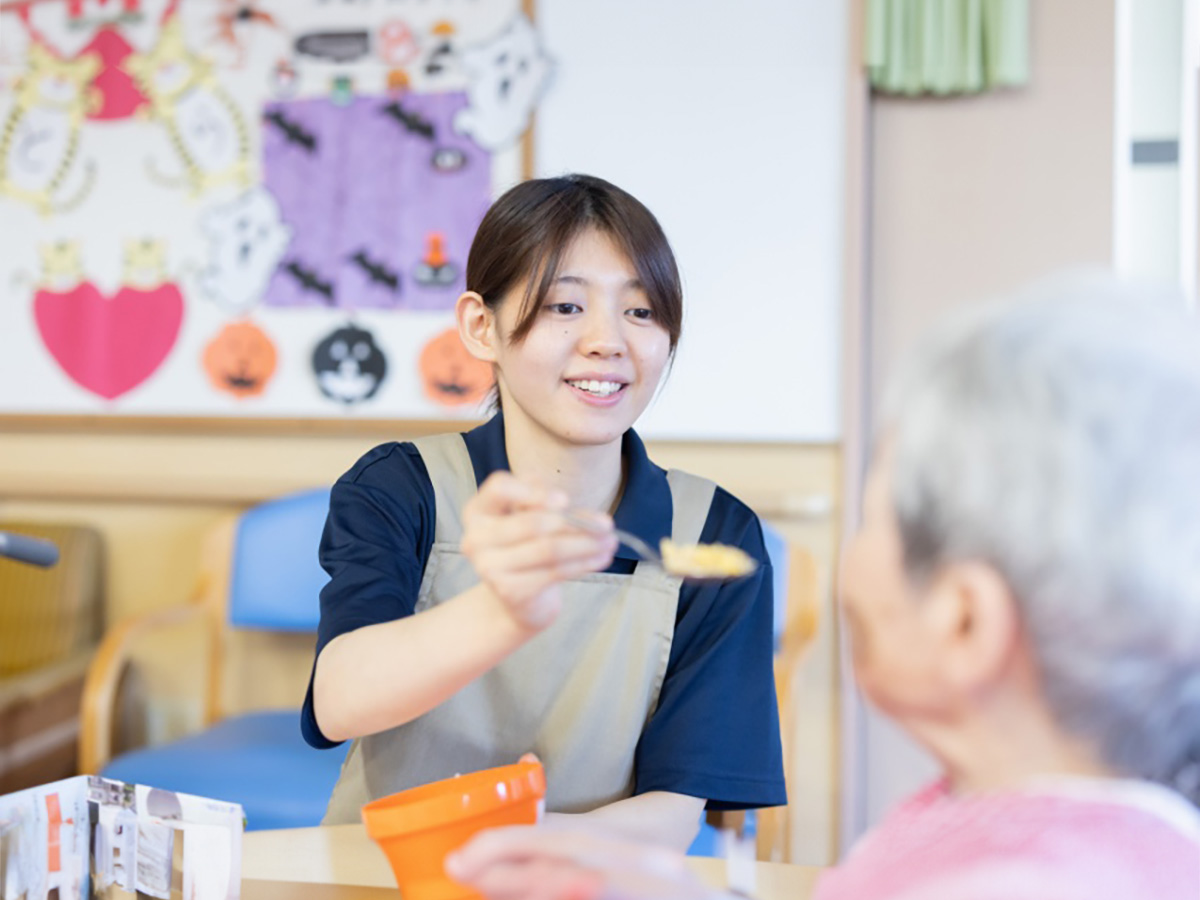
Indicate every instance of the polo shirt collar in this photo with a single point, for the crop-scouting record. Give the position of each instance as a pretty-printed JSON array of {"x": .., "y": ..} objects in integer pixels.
[{"x": 645, "y": 508}]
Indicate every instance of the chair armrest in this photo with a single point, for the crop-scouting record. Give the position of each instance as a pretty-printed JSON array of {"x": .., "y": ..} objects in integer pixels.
[{"x": 104, "y": 673}]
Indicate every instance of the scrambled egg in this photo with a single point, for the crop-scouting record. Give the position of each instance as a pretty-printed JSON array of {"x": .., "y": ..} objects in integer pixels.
[{"x": 706, "y": 560}]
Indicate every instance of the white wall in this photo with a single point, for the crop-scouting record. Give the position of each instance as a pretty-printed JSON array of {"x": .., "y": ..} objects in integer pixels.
[{"x": 728, "y": 122}]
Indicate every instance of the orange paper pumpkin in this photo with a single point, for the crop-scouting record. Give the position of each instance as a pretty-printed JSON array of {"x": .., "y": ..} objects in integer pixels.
[
  {"x": 240, "y": 360},
  {"x": 450, "y": 376}
]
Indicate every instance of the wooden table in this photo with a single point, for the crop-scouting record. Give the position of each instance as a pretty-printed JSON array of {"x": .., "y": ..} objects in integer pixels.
[{"x": 339, "y": 862}]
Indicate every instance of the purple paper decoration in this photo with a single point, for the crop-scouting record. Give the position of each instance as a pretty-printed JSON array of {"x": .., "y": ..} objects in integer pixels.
[{"x": 362, "y": 186}]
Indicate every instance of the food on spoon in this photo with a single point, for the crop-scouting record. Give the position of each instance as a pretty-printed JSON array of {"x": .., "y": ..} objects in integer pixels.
[{"x": 706, "y": 560}]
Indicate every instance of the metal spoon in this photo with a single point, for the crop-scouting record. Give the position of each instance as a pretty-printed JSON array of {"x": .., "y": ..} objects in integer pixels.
[
  {"x": 632, "y": 541},
  {"x": 648, "y": 553}
]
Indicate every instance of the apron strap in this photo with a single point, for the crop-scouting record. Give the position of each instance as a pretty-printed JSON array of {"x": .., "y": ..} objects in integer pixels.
[
  {"x": 449, "y": 466},
  {"x": 692, "y": 497}
]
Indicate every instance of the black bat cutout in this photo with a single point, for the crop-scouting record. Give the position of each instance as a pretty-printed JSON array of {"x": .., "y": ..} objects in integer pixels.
[
  {"x": 310, "y": 280},
  {"x": 377, "y": 271},
  {"x": 293, "y": 131},
  {"x": 412, "y": 122}
]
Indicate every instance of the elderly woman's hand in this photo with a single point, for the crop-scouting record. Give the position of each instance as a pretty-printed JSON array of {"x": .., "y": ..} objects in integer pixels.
[{"x": 541, "y": 863}]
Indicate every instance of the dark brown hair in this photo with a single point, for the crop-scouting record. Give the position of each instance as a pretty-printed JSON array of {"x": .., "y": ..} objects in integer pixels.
[{"x": 528, "y": 229}]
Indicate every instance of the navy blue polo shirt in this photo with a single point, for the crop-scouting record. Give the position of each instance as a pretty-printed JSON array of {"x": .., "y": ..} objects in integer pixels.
[{"x": 715, "y": 731}]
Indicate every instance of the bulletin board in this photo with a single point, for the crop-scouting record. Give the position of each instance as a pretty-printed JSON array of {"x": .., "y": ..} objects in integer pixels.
[{"x": 252, "y": 210}]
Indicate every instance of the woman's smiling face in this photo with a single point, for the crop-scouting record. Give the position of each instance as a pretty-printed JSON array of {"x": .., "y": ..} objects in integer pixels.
[{"x": 595, "y": 354}]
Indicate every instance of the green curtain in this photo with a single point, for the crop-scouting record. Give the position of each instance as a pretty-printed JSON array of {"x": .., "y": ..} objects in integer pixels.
[{"x": 947, "y": 46}]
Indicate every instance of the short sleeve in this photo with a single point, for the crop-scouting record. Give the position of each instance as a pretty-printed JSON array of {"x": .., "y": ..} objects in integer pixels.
[
  {"x": 715, "y": 731},
  {"x": 376, "y": 542}
]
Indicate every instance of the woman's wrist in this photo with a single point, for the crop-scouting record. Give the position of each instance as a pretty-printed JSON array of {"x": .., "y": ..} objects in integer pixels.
[{"x": 504, "y": 618}]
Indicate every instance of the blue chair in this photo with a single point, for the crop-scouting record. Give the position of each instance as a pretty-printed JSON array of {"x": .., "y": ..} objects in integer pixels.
[
  {"x": 260, "y": 573},
  {"x": 797, "y": 602}
]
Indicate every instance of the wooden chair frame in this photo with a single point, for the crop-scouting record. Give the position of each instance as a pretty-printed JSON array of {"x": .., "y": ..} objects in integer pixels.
[
  {"x": 800, "y": 626},
  {"x": 206, "y": 605}
]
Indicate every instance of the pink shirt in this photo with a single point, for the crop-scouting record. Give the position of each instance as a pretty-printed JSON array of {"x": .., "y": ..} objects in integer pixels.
[{"x": 1061, "y": 839}]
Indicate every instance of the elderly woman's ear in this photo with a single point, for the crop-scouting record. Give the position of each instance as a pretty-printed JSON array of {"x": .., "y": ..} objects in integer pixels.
[{"x": 975, "y": 625}]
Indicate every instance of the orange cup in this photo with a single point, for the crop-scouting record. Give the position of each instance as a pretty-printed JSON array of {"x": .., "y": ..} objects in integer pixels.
[{"x": 419, "y": 827}]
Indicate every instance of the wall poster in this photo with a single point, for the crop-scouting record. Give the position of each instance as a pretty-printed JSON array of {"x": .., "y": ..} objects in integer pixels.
[{"x": 252, "y": 209}]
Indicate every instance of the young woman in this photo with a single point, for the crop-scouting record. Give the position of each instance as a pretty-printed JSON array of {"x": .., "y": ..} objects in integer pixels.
[
  {"x": 1023, "y": 598},
  {"x": 467, "y": 622}
]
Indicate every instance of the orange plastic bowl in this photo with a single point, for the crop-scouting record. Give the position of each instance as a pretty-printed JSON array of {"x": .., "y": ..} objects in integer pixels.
[{"x": 417, "y": 828}]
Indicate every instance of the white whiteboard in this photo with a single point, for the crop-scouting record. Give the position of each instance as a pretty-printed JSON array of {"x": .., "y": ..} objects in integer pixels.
[{"x": 727, "y": 121}]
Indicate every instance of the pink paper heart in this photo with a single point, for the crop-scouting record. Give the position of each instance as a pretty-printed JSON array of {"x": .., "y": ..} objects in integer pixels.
[{"x": 109, "y": 345}]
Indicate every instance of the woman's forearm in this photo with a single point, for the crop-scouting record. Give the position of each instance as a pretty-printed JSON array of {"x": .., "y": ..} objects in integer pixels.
[
  {"x": 656, "y": 817},
  {"x": 381, "y": 676}
]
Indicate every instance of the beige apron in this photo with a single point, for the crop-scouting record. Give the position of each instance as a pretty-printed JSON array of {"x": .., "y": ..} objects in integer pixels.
[{"x": 578, "y": 694}]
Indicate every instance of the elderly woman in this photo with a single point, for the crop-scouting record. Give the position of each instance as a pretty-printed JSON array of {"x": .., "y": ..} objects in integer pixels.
[{"x": 1023, "y": 598}]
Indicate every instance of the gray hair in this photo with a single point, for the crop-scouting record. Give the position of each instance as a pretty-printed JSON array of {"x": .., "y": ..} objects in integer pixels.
[{"x": 1057, "y": 437}]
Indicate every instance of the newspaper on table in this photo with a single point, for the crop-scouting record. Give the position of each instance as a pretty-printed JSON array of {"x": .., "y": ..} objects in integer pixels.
[{"x": 94, "y": 837}]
